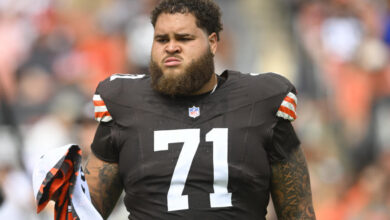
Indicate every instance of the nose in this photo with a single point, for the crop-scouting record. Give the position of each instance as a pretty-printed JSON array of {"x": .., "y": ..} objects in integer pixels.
[{"x": 172, "y": 47}]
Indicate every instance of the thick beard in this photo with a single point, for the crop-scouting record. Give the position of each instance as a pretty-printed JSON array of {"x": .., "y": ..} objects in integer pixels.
[{"x": 194, "y": 77}]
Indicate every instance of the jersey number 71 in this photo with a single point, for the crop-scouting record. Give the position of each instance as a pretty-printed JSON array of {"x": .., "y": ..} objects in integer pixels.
[{"x": 191, "y": 138}]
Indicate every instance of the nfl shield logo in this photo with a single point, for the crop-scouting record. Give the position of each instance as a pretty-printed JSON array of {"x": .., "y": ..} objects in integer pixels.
[{"x": 194, "y": 112}]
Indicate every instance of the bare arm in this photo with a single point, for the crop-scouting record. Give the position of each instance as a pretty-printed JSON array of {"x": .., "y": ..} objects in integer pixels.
[
  {"x": 104, "y": 184},
  {"x": 290, "y": 188}
]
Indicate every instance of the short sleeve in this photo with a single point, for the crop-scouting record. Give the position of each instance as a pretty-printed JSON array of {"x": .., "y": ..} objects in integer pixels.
[
  {"x": 103, "y": 145},
  {"x": 283, "y": 141}
]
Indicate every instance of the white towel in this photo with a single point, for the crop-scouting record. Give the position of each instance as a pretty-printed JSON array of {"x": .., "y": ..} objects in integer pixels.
[{"x": 77, "y": 195}]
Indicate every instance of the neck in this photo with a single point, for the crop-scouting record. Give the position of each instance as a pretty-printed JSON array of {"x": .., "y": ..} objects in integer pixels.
[{"x": 209, "y": 86}]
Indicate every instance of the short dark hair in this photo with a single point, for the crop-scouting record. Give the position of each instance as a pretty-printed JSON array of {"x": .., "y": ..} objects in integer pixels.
[{"x": 206, "y": 12}]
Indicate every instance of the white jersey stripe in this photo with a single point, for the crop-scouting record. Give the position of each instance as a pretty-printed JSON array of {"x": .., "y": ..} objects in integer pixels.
[
  {"x": 284, "y": 115},
  {"x": 104, "y": 119},
  {"x": 287, "y": 109},
  {"x": 101, "y": 109},
  {"x": 97, "y": 97},
  {"x": 293, "y": 96},
  {"x": 288, "y": 105}
]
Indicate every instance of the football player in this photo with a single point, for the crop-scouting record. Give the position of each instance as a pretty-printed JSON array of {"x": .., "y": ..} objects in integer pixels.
[{"x": 185, "y": 143}]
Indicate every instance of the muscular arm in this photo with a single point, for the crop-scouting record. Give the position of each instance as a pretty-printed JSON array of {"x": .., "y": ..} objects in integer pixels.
[
  {"x": 290, "y": 188},
  {"x": 104, "y": 184}
]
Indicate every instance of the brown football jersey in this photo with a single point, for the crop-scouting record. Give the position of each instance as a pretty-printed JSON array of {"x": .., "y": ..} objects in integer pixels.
[{"x": 196, "y": 157}]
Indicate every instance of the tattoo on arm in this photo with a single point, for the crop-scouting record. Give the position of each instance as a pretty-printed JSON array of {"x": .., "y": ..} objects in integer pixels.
[
  {"x": 104, "y": 184},
  {"x": 290, "y": 188}
]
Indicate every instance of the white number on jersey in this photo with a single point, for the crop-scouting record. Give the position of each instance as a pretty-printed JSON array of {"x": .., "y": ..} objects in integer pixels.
[{"x": 191, "y": 138}]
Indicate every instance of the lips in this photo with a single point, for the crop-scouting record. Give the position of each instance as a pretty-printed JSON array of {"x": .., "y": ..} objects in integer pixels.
[{"x": 172, "y": 61}]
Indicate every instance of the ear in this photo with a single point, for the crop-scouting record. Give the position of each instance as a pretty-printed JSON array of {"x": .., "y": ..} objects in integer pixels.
[{"x": 213, "y": 41}]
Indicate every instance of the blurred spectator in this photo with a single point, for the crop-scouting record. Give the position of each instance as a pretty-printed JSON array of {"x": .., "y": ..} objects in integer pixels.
[
  {"x": 32, "y": 103},
  {"x": 139, "y": 34},
  {"x": 343, "y": 41},
  {"x": 19, "y": 201}
]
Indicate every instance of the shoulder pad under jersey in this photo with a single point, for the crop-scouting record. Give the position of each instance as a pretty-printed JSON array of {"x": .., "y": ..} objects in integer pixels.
[
  {"x": 118, "y": 88},
  {"x": 272, "y": 85}
]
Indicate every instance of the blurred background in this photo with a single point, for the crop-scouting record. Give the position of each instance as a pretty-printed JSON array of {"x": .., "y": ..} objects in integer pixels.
[{"x": 54, "y": 52}]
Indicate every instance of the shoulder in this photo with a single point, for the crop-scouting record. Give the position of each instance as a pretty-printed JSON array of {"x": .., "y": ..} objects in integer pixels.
[
  {"x": 124, "y": 89},
  {"x": 117, "y": 84},
  {"x": 262, "y": 85},
  {"x": 272, "y": 90},
  {"x": 116, "y": 91},
  {"x": 274, "y": 83}
]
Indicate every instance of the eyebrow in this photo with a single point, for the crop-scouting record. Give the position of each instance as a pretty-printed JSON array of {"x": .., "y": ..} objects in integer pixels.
[
  {"x": 161, "y": 35},
  {"x": 184, "y": 35},
  {"x": 176, "y": 35}
]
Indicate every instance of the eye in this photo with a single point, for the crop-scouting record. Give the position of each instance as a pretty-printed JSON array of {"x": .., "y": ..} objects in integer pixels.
[{"x": 162, "y": 40}]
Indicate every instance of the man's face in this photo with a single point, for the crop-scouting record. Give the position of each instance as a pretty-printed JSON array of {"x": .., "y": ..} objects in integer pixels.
[{"x": 182, "y": 55}]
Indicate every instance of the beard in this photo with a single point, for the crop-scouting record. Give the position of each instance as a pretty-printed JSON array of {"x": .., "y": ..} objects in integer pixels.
[{"x": 191, "y": 80}]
